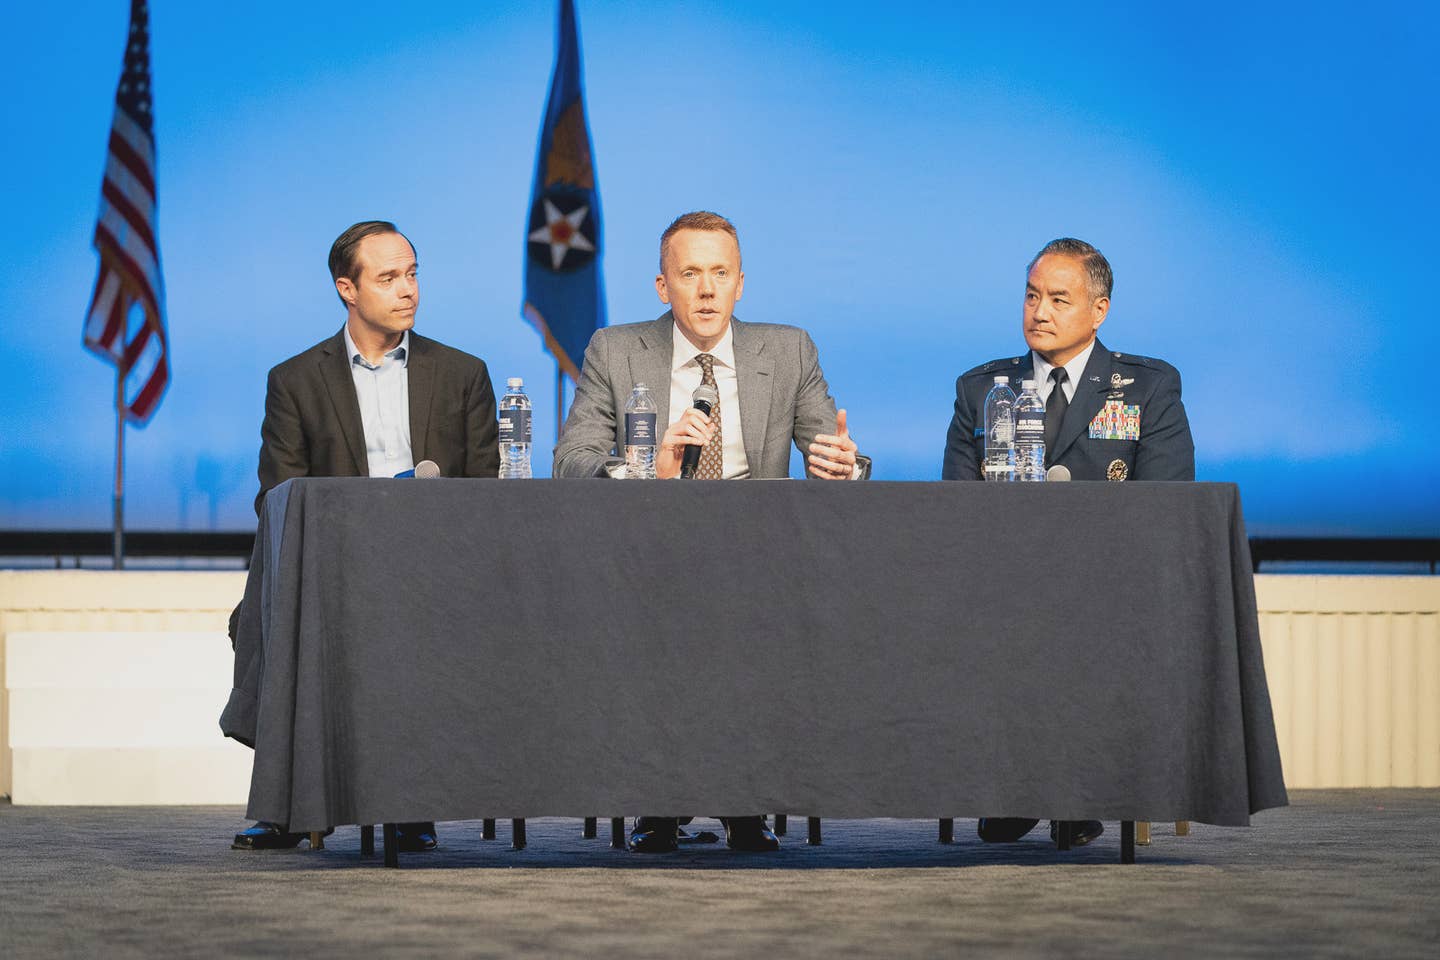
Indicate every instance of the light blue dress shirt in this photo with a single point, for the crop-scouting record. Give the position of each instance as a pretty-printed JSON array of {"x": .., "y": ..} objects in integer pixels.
[{"x": 383, "y": 390}]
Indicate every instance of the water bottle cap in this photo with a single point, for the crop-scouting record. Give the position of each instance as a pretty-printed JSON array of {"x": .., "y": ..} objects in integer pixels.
[
  {"x": 515, "y": 383},
  {"x": 1027, "y": 384},
  {"x": 641, "y": 386},
  {"x": 1002, "y": 379}
]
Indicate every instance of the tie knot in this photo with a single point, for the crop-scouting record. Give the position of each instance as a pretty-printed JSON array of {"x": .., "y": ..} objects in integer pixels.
[
  {"x": 706, "y": 361},
  {"x": 1058, "y": 375}
]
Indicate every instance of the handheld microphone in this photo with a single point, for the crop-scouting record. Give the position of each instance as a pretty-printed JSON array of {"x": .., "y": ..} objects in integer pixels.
[
  {"x": 1058, "y": 472},
  {"x": 424, "y": 470},
  {"x": 705, "y": 399}
]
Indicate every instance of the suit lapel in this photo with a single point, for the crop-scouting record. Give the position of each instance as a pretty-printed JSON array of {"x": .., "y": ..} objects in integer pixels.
[
  {"x": 754, "y": 375},
  {"x": 340, "y": 384},
  {"x": 419, "y": 384},
  {"x": 1089, "y": 398},
  {"x": 651, "y": 366}
]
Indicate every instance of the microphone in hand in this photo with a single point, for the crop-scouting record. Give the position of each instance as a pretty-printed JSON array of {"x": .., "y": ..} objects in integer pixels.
[{"x": 706, "y": 399}]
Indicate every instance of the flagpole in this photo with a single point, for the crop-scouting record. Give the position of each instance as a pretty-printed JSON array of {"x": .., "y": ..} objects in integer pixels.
[
  {"x": 119, "y": 542},
  {"x": 559, "y": 399}
]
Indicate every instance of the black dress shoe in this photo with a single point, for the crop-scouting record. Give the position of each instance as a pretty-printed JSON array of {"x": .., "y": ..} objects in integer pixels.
[
  {"x": 1004, "y": 829},
  {"x": 269, "y": 836},
  {"x": 1081, "y": 831},
  {"x": 653, "y": 835},
  {"x": 416, "y": 837},
  {"x": 749, "y": 833}
]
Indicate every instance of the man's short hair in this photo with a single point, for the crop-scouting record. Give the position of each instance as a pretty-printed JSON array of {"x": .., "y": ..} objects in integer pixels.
[
  {"x": 1097, "y": 268},
  {"x": 696, "y": 220},
  {"x": 342, "y": 251}
]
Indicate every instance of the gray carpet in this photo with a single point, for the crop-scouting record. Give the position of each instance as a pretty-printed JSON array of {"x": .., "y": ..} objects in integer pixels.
[{"x": 1338, "y": 874}]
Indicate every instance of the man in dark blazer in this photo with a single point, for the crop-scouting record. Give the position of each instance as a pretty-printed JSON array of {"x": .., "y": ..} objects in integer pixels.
[
  {"x": 1108, "y": 416},
  {"x": 771, "y": 390},
  {"x": 375, "y": 399}
]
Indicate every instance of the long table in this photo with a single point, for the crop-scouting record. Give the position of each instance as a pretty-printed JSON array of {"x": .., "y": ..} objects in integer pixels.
[{"x": 451, "y": 649}]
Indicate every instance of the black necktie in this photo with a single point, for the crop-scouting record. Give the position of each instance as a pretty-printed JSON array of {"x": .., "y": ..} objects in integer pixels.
[{"x": 1055, "y": 411}]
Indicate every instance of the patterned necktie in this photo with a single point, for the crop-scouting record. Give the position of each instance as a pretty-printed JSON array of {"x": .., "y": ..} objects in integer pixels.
[
  {"x": 1055, "y": 411},
  {"x": 712, "y": 465}
]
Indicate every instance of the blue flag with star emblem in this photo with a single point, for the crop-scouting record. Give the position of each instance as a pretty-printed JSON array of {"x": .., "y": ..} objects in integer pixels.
[{"x": 564, "y": 290}]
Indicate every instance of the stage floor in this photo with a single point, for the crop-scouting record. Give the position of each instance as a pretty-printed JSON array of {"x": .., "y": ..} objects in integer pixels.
[{"x": 1338, "y": 873}]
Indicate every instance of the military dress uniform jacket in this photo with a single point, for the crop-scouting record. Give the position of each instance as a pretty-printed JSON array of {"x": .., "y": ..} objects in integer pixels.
[{"x": 1125, "y": 422}]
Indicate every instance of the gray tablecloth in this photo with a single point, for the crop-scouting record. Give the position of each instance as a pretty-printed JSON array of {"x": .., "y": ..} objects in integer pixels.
[{"x": 453, "y": 649}]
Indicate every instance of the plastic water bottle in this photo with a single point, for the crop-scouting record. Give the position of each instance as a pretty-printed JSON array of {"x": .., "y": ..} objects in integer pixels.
[
  {"x": 1000, "y": 431},
  {"x": 640, "y": 436},
  {"x": 514, "y": 431},
  {"x": 1029, "y": 433}
]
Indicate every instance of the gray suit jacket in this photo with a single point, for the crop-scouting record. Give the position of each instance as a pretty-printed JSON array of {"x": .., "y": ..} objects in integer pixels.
[{"x": 783, "y": 394}]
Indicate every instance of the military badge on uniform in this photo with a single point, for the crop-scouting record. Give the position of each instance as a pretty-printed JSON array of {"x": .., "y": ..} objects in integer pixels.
[
  {"x": 1117, "y": 471},
  {"x": 1116, "y": 381},
  {"x": 1116, "y": 421}
]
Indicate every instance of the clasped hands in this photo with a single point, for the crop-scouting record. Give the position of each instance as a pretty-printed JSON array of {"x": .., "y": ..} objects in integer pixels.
[{"x": 832, "y": 455}]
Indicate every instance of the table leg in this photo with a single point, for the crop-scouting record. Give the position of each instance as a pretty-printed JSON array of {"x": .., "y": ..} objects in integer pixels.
[
  {"x": 947, "y": 830},
  {"x": 392, "y": 848},
  {"x": 367, "y": 840},
  {"x": 813, "y": 825},
  {"x": 1182, "y": 828},
  {"x": 1142, "y": 833},
  {"x": 589, "y": 832},
  {"x": 317, "y": 840},
  {"x": 1062, "y": 834},
  {"x": 1127, "y": 841},
  {"x": 781, "y": 823},
  {"x": 487, "y": 829},
  {"x": 617, "y": 833},
  {"x": 517, "y": 834}
]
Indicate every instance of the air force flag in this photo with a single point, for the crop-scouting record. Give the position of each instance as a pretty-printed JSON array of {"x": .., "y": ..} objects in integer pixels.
[{"x": 564, "y": 292}]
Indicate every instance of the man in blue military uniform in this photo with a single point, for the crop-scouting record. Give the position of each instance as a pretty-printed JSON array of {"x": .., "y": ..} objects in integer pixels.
[{"x": 1108, "y": 416}]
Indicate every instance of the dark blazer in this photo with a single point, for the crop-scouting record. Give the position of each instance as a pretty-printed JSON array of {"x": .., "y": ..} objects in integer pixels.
[
  {"x": 782, "y": 392},
  {"x": 1164, "y": 449},
  {"x": 313, "y": 428}
]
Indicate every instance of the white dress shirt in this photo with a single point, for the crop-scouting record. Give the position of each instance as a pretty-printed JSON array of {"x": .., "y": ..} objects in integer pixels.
[
  {"x": 383, "y": 390},
  {"x": 685, "y": 376},
  {"x": 1073, "y": 370}
]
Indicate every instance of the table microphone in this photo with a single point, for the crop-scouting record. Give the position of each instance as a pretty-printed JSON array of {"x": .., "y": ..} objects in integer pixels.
[
  {"x": 705, "y": 399},
  {"x": 424, "y": 470},
  {"x": 1058, "y": 472}
]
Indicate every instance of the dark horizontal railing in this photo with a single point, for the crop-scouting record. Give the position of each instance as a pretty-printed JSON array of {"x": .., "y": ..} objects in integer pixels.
[{"x": 238, "y": 544}]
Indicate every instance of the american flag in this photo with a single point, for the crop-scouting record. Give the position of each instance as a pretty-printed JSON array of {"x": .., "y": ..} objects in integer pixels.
[{"x": 125, "y": 238}]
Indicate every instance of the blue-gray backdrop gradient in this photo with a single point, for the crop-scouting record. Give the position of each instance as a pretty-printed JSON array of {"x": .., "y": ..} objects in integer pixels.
[{"x": 1263, "y": 178}]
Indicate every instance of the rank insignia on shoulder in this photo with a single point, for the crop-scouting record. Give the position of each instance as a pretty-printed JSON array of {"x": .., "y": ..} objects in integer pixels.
[
  {"x": 1116, "y": 421},
  {"x": 1117, "y": 471},
  {"x": 1116, "y": 381}
]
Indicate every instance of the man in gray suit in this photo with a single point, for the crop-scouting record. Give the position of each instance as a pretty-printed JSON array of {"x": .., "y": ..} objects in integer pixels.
[
  {"x": 372, "y": 400},
  {"x": 772, "y": 393}
]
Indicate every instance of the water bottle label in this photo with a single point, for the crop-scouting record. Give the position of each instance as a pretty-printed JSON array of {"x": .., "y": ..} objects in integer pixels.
[
  {"x": 1029, "y": 427},
  {"x": 640, "y": 429},
  {"x": 515, "y": 426}
]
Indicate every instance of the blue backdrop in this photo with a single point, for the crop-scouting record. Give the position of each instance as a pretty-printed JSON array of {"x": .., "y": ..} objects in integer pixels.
[{"x": 1263, "y": 183}]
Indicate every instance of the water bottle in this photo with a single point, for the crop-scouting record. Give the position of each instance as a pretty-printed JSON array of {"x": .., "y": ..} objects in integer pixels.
[
  {"x": 640, "y": 436},
  {"x": 514, "y": 431},
  {"x": 1000, "y": 431},
  {"x": 1029, "y": 433}
]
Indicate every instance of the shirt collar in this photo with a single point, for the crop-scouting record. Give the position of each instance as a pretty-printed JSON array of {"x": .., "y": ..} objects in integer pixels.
[
  {"x": 401, "y": 353},
  {"x": 1073, "y": 369},
  {"x": 685, "y": 352}
]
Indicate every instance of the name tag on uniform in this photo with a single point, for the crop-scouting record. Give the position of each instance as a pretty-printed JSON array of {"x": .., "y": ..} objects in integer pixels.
[{"x": 1116, "y": 421}]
